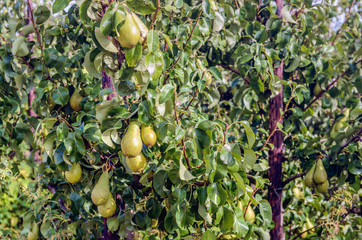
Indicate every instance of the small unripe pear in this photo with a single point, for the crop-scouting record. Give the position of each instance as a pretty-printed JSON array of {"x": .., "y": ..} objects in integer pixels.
[
  {"x": 137, "y": 163},
  {"x": 304, "y": 234},
  {"x": 320, "y": 174},
  {"x": 309, "y": 225},
  {"x": 148, "y": 136},
  {"x": 309, "y": 182},
  {"x": 108, "y": 208},
  {"x": 317, "y": 89},
  {"x": 100, "y": 192},
  {"x": 322, "y": 188},
  {"x": 75, "y": 101},
  {"x": 34, "y": 233},
  {"x": 74, "y": 175},
  {"x": 131, "y": 144}
]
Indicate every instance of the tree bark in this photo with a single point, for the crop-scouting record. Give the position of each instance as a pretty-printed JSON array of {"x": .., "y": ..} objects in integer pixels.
[{"x": 276, "y": 155}]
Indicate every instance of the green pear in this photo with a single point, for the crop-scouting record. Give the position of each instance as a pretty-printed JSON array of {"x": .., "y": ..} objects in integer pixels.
[
  {"x": 304, "y": 234},
  {"x": 129, "y": 33},
  {"x": 74, "y": 174},
  {"x": 100, "y": 192},
  {"x": 148, "y": 136},
  {"x": 137, "y": 163},
  {"x": 34, "y": 233},
  {"x": 320, "y": 174},
  {"x": 309, "y": 225},
  {"x": 141, "y": 26},
  {"x": 309, "y": 177},
  {"x": 317, "y": 89},
  {"x": 250, "y": 215},
  {"x": 322, "y": 188},
  {"x": 75, "y": 101},
  {"x": 340, "y": 122},
  {"x": 108, "y": 208},
  {"x": 131, "y": 144}
]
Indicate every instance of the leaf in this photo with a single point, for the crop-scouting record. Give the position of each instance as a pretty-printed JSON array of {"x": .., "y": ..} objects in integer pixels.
[
  {"x": 184, "y": 173},
  {"x": 58, "y": 158},
  {"x": 20, "y": 48},
  {"x": 218, "y": 22},
  {"x": 105, "y": 43},
  {"x": 249, "y": 134},
  {"x": 227, "y": 220},
  {"x": 79, "y": 143},
  {"x": 244, "y": 59},
  {"x": 61, "y": 96},
  {"x": 249, "y": 159},
  {"x": 226, "y": 156},
  {"x": 83, "y": 11},
  {"x": 142, "y": 220},
  {"x": 107, "y": 139},
  {"x": 153, "y": 208},
  {"x": 286, "y": 15},
  {"x": 106, "y": 25},
  {"x": 213, "y": 95},
  {"x": 152, "y": 41},
  {"x": 42, "y": 14},
  {"x": 265, "y": 212},
  {"x": 62, "y": 131},
  {"x": 46, "y": 228},
  {"x": 216, "y": 73},
  {"x": 208, "y": 235},
  {"x": 159, "y": 180},
  {"x": 293, "y": 65},
  {"x": 166, "y": 93},
  {"x": 154, "y": 63},
  {"x": 133, "y": 55},
  {"x": 169, "y": 43},
  {"x": 89, "y": 66},
  {"x": 59, "y": 5},
  {"x": 358, "y": 84},
  {"x": 113, "y": 223},
  {"x": 217, "y": 194},
  {"x": 204, "y": 214}
]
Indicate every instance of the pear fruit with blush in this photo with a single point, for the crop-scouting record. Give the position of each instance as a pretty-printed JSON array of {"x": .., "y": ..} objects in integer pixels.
[
  {"x": 131, "y": 144},
  {"x": 137, "y": 163},
  {"x": 75, "y": 101},
  {"x": 34, "y": 233},
  {"x": 320, "y": 174},
  {"x": 148, "y": 136},
  {"x": 108, "y": 208},
  {"x": 74, "y": 175},
  {"x": 129, "y": 33},
  {"x": 309, "y": 182},
  {"x": 100, "y": 192}
]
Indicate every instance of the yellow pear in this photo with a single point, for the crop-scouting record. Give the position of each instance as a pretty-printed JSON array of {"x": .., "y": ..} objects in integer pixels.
[
  {"x": 108, "y": 208},
  {"x": 322, "y": 188},
  {"x": 74, "y": 174},
  {"x": 100, "y": 192},
  {"x": 137, "y": 163},
  {"x": 129, "y": 33},
  {"x": 75, "y": 101},
  {"x": 131, "y": 144},
  {"x": 298, "y": 193},
  {"x": 14, "y": 221},
  {"x": 309, "y": 177},
  {"x": 141, "y": 26},
  {"x": 148, "y": 136},
  {"x": 34, "y": 233},
  {"x": 320, "y": 175},
  {"x": 250, "y": 215},
  {"x": 317, "y": 89},
  {"x": 208, "y": 75},
  {"x": 304, "y": 228}
]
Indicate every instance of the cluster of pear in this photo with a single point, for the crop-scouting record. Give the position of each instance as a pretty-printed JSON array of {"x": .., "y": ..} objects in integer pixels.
[
  {"x": 33, "y": 234},
  {"x": 307, "y": 225},
  {"x": 132, "y": 32},
  {"x": 317, "y": 176},
  {"x": 102, "y": 197},
  {"x": 131, "y": 145}
]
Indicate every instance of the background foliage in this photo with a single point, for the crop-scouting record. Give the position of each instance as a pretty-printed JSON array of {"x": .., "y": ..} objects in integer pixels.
[{"x": 213, "y": 139}]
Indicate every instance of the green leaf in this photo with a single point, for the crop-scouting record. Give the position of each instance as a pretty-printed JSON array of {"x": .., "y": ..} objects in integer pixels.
[
  {"x": 358, "y": 84},
  {"x": 216, "y": 73},
  {"x": 293, "y": 65},
  {"x": 133, "y": 55},
  {"x": 46, "y": 228},
  {"x": 217, "y": 194},
  {"x": 106, "y": 25},
  {"x": 83, "y": 11},
  {"x": 208, "y": 235},
  {"x": 249, "y": 134},
  {"x": 286, "y": 14},
  {"x": 166, "y": 93},
  {"x": 61, "y": 96},
  {"x": 20, "y": 48},
  {"x": 152, "y": 41},
  {"x": 58, "y": 158},
  {"x": 265, "y": 212},
  {"x": 227, "y": 221},
  {"x": 42, "y": 14},
  {"x": 185, "y": 175},
  {"x": 154, "y": 63},
  {"x": 159, "y": 180},
  {"x": 62, "y": 131},
  {"x": 59, "y": 5},
  {"x": 169, "y": 43},
  {"x": 79, "y": 143},
  {"x": 104, "y": 42},
  {"x": 249, "y": 159},
  {"x": 244, "y": 59},
  {"x": 153, "y": 208}
]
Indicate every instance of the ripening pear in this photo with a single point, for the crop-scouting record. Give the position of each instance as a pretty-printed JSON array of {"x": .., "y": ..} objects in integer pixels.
[
  {"x": 320, "y": 174},
  {"x": 141, "y": 26},
  {"x": 309, "y": 177},
  {"x": 340, "y": 122},
  {"x": 75, "y": 101},
  {"x": 208, "y": 75},
  {"x": 34, "y": 233},
  {"x": 131, "y": 144},
  {"x": 317, "y": 89},
  {"x": 304, "y": 234},
  {"x": 148, "y": 136},
  {"x": 74, "y": 174},
  {"x": 137, "y": 163},
  {"x": 129, "y": 33},
  {"x": 250, "y": 215},
  {"x": 100, "y": 192},
  {"x": 108, "y": 208},
  {"x": 322, "y": 188},
  {"x": 298, "y": 193},
  {"x": 309, "y": 225}
]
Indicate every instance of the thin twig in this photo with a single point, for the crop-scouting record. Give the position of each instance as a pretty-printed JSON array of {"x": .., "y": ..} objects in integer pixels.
[
  {"x": 340, "y": 30},
  {"x": 327, "y": 88},
  {"x": 189, "y": 104},
  {"x": 300, "y": 234},
  {"x": 234, "y": 71},
  {"x": 155, "y": 14},
  {"x": 293, "y": 177}
]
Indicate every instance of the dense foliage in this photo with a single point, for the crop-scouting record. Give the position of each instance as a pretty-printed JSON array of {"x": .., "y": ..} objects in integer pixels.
[{"x": 202, "y": 78}]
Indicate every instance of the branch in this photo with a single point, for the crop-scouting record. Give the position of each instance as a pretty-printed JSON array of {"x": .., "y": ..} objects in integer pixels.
[
  {"x": 340, "y": 30},
  {"x": 189, "y": 104},
  {"x": 327, "y": 88},
  {"x": 155, "y": 14},
  {"x": 294, "y": 177},
  {"x": 35, "y": 28},
  {"x": 300, "y": 234},
  {"x": 234, "y": 71}
]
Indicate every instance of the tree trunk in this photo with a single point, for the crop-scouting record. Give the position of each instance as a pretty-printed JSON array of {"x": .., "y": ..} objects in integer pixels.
[{"x": 275, "y": 155}]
